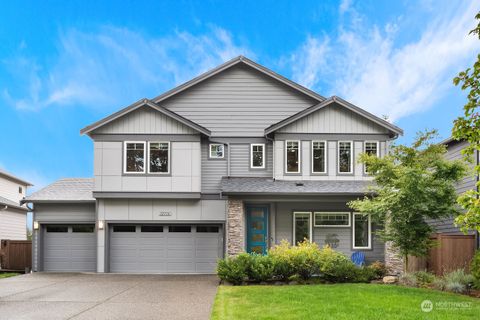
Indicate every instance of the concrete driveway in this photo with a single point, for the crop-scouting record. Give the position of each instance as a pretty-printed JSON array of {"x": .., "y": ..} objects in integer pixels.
[{"x": 106, "y": 296}]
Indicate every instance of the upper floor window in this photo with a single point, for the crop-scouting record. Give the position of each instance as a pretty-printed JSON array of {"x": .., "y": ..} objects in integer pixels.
[
  {"x": 371, "y": 148},
  {"x": 319, "y": 156},
  {"x": 134, "y": 157},
  {"x": 20, "y": 190},
  {"x": 292, "y": 151},
  {"x": 345, "y": 157},
  {"x": 217, "y": 151},
  {"x": 158, "y": 157},
  {"x": 257, "y": 156}
]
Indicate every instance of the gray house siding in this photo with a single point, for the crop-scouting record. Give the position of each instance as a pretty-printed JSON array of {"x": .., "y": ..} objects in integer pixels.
[
  {"x": 238, "y": 102},
  {"x": 212, "y": 169},
  {"x": 283, "y": 228},
  {"x": 333, "y": 119},
  {"x": 185, "y": 170},
  {"x": 240, "y": 161}
]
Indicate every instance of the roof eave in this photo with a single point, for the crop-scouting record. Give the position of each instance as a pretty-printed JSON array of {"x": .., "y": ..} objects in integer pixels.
[{"x": 57, "y": 201}]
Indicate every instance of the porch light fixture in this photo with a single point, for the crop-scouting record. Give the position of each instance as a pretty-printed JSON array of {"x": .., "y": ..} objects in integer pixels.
[
  {"x": 100, "y": 224},
  {"x": 35, "y": 225}
]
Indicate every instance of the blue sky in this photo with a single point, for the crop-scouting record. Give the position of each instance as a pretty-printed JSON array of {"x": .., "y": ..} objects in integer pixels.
[{"x": 66, "y": 64}]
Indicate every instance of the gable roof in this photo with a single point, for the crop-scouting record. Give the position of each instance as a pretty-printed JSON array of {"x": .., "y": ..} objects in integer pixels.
[
  {"x": 65, "y": 190},
  {"x": 227, "y": 65},
  {"x": 10, "y": 176},
  {"x": 334, "y": 99},
  {"x": 139, "y": 104}
]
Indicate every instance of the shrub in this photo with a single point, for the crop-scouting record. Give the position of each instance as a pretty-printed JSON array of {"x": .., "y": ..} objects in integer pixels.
[
  {"x": 439, "y": 284},
  {"x": 424, "y": 278},
  {"x": 306, "y": 259},
  {"x": 281, "y": 258},
  {"x": 365, "y": 274},
  {"x": 336, "y": 267},
  {"x": 408, "y": 279},
  {"x": 475, "y": 265},
  {"x": 260, "y": 268},
  {"x": 231, "y": 270},
  {"x": 379, "y": 269},
  {"x": 458, "y": 281}
]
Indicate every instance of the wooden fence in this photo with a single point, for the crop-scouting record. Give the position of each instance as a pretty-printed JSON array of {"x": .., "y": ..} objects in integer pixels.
[
  {"x": 450, "y": 253},
  {"x": 16, "y": 255}
]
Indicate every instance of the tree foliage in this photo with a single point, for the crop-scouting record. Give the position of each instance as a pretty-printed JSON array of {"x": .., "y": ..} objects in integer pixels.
[
  {"x": 467, "y": 128},
  {"x": 411, "y": 184}
]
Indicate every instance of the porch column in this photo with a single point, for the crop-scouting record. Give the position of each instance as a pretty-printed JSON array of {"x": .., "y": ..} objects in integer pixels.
[
  {"x": 393, "y": 260},
  {"x": 235, "y": 227}
]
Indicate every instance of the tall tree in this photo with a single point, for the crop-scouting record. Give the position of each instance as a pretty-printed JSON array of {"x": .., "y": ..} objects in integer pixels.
[
  {"x": 411, "y": 184},
  {"x": 467, "y": 128}
]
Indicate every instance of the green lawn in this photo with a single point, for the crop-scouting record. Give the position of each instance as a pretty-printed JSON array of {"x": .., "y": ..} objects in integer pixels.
[
  {"x": 7, "y": 274},
  {"x": 339, "y": 301}
]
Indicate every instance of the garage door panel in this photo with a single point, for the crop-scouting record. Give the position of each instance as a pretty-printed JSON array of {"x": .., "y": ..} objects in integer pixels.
[
  {"x": 165, "y": 249},
  {"x": 68, "y": 251}
]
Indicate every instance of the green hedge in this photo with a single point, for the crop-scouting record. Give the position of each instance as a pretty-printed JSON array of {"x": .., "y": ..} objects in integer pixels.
[{"x": 304, "y": 261}]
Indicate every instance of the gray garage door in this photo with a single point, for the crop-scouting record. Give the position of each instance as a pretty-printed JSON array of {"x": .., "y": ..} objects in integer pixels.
[
  {"x": 68, "y": 248},
  {"x": 165, "y": 248}
]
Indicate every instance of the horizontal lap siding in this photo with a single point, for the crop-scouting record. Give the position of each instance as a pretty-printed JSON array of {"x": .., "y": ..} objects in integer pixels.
[
  {"x": 238, "y": 102},
  {"x": 212, "y": 170},
  {"x": 13, "y": 225},
  {"x": 71, "y": 212},
  {"x": 240, "y": 161}
]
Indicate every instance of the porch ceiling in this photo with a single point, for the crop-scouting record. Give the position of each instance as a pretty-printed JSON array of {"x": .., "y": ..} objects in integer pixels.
[{"x": 251, "y": 186}]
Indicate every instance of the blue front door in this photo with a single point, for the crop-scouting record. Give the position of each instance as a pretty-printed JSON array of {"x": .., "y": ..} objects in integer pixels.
[{"x": 257, "y": 229}]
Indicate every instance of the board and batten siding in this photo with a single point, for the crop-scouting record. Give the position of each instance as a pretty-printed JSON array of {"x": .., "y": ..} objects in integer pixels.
[
  {"x": 185, "y": 170},
  {"x": 13, "y": 225},
  {"x": 238, "y": 102},
  {"x": 283, "y": 229},
  {"x": 334, "y": 119},
  {"x": 145, "y": 120},
  {"x": 332, "y": 166},
  {"x": 161, "y": 210},
  {"x": 240, "y": 161}
]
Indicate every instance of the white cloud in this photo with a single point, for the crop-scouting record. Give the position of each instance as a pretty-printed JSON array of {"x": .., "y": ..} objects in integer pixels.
[
  {"x": 368, "y": 68},
  {"x": 114, "y": 66}
]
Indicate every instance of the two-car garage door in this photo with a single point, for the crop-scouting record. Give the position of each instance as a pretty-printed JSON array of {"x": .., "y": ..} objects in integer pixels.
[{"x": 165, "y": 248}]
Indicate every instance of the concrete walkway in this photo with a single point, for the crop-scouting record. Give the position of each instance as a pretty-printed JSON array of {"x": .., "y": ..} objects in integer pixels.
[{"x": 106, "y": 296}]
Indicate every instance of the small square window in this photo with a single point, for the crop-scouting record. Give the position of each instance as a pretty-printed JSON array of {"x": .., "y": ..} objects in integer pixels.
[
  {"x": 217, "y": 151},
  {"x": 179, "y": 229},
  {"x": 20, "y": 190}
]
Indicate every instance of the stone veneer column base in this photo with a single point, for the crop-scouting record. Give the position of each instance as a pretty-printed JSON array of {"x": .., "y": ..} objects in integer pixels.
[
  {"x": 235, "y": 227},
  {"x": 393, "y": 260}
]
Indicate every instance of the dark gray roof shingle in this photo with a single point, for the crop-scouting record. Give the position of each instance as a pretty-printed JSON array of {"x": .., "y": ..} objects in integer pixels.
[
  {"x": 69, "y": 189},
  {"x": 270, "y": 186}
]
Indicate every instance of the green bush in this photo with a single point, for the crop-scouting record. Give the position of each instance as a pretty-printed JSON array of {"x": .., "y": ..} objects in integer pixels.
[
  {"x": 231, "y": 270},
  {"x": 408, "y": 279},
  {"x": 261, "y": 268},
  {"x": 475, "y": 265},
  {"x": 379, "y": 269},
  {"x": 366, "y": 274},
  {"x": 281, "y": 257},
  {"x": 336, "y": 267},
  {"x": 439, "y": 284},
  {"x": 424, "y": 279},
  {"x": 458, "y": 281}
]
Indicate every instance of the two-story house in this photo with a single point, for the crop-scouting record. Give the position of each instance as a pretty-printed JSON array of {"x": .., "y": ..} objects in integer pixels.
[
  {"x": 13, "y": 215},
  {"x": 234, "y": 160}
]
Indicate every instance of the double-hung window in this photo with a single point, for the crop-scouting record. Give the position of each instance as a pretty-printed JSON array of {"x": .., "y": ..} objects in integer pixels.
[
  {"x": 134, "y": 157},
  {"x": 159, "y": 157},
  {"x": 257, "y": 156},
  {"x": 319, "y": 157},
  {"x": 216, "y": 151},
  {"x": 345, "y": 157},
  {"x": 371, "y": 148},
  {"x": 292, "y": 156},
  {"x": 302, "y": 227},
  {"x": 362, "y": 233}
]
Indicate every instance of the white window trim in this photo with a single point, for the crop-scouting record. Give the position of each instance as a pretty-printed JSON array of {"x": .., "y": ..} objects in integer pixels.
[
  {"x": 351, "y": 157},
  {"x": 210, "y": 150},
  {"x": 295, "y": 213},
  {"x": 125, "y": 158},
  {"x": 169, "y": 158},
  {"x": 369, "y": 232},
  {"x": 331, "y": 226},
  {"x": 263, "y": 155},
  {"x": 299, "y": 156},
  {"x": 326, "y": 159},
  {"x": 365, "y": 151}
]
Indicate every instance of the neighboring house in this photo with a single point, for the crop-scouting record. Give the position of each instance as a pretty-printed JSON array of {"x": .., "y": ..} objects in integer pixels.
[
  {"x": 454, "y": 152},
  {"x": 234, "y": 160},
  {"x": 13, "y": 215}
]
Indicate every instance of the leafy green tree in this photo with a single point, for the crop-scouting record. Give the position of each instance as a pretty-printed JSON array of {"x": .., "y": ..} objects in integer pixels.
[
  {"x": 411, "y": 184},
  {"x": 467, "y": 128}
]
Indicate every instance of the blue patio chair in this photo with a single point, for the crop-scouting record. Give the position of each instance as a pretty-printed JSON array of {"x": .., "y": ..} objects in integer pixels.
[{"x": 358, "y": 258}]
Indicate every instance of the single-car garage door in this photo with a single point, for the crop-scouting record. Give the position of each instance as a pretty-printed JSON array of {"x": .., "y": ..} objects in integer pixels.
[
  {"x": 165, "y": 248},
  {"x": 69, "y": 248}
]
